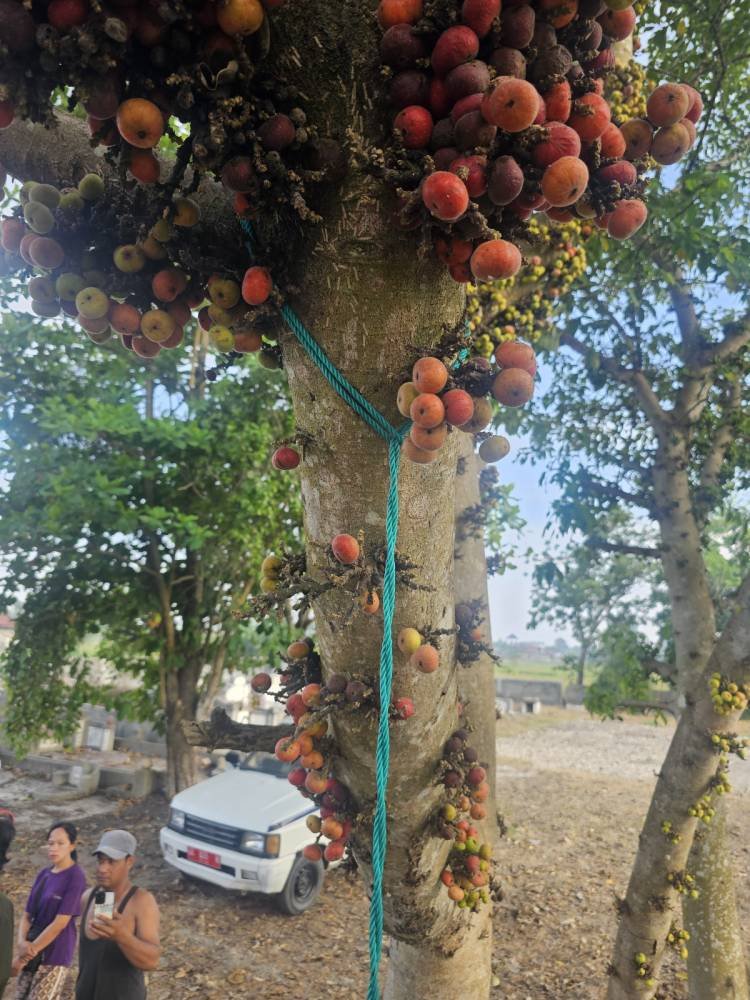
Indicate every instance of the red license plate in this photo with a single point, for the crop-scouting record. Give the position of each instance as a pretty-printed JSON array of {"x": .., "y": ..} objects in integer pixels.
[{"x": 200, "y": 857}]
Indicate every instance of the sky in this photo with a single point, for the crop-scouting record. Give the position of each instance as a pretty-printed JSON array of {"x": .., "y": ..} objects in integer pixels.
[{"x": 510, "y": 594}]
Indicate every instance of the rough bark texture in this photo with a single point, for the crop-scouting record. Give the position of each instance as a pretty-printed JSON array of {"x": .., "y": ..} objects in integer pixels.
[
  {"x": 717, "y": 968},
  {"x": 416, "y": 973},
  {"x": 692, "y": 608}
]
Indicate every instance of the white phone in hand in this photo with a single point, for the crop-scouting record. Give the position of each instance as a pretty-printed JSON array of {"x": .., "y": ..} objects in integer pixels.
[{"x": 104, "y": 904}]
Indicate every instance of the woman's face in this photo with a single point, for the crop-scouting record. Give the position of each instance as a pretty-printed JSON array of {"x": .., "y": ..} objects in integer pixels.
[{"x": 59, "y": 846}]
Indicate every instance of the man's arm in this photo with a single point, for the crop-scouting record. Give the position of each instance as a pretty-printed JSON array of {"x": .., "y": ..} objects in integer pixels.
[{"x": 141, "y": 947}]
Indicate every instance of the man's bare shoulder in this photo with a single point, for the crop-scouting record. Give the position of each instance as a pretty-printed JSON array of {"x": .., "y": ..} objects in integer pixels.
[{"x": 144, "y": 901}]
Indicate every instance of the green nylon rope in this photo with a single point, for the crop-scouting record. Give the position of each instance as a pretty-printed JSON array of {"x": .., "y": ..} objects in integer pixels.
[{"x": 394, "y": 437}]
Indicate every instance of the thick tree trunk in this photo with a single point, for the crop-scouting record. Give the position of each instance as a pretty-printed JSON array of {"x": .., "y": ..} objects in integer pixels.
[
  {"x": 373, "y": 303},
  {"x": 716, "y": 968},
  {"x": 416, "y": 973},
  {"x": 369, "y": 301}
]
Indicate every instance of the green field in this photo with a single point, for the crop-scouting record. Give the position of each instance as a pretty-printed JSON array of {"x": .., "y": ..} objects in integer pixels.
[{"x": 537, "y": 670}]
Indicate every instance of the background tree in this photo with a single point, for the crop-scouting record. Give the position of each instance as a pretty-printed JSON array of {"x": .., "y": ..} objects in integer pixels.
[
  {"x": 135, "y": 508},
  {"x": 586, "y": 591},
  {"x": 647, "y": 411}
]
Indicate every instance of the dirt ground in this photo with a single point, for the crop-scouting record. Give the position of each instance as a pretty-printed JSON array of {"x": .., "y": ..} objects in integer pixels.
[{"x": 573, "y": 792}]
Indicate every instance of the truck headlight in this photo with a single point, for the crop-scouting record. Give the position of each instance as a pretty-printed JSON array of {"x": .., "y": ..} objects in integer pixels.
[
  {"x": 253, "y": 843},
  {"x": 267, "y": 844},
  {"x": 176, "y": 819}
]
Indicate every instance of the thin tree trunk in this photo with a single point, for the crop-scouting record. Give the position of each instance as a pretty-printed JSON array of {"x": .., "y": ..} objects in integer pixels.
[
  {"x": 652, "y": 903},
  {"x": 476, "y": 683},
  {"x": 181, "y": 766},
  {"x": 692, "y": 608},
  {"x": 694, "y": 627},
  {"x": 180, "y": 709},
  {"x": 212, "y": 685},
  {"x": 581, "y": 665},
  {"x": 716, "y": 968}
]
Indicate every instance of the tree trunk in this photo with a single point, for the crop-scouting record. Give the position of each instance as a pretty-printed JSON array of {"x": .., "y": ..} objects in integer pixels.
[
  {"x": 371, "y": 303},
  {"x": 716, "y": 968},
  {"x": 694, "y": 627},
  {"x": 476, "y": 683},
  {"x": 692, "y": 608},
  {"x": 581, "y": 665},
  {"x": 416, "y": 973},
  {"x": 179, "y": 709},
  {"x": 651, "y": 903},
  {"x": 472, "y": 963},
  {"x": 212, "y": 684}
]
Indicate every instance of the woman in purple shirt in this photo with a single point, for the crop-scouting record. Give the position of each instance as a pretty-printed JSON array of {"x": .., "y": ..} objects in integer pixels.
[{"x": 47, "y": 935}]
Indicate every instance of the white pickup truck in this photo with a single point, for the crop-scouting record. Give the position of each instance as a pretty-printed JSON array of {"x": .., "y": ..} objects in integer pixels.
[{"x": 245, "y": 829}]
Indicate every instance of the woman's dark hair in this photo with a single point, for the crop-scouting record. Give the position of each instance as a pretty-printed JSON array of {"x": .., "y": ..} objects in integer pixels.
[
  {"x": 72, "y": 834},
  {"x": 7, "y": 833}
]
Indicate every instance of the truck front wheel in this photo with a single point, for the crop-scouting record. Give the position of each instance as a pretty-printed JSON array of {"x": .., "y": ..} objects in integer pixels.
[{"x": 302, "y": 887}]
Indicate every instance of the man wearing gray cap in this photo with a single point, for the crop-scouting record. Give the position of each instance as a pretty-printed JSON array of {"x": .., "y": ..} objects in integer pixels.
[{"x": 116, "y": 949}]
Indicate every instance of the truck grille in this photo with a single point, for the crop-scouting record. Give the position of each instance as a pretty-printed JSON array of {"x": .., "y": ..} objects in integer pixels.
[{"x": 212, "y": 833}]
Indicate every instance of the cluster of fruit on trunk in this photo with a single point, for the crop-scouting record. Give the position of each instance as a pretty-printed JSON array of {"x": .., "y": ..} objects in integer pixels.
[{"x": 503, "y": 113}]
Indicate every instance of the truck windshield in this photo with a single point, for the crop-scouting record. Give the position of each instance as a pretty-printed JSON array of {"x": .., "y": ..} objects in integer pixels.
[{"x": 266, "y": 763}]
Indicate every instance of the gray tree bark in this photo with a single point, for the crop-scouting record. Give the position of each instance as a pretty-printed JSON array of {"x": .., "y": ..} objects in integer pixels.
[
  {"x": 716, "y": 968},
  {"x": 476, "y": 684},
  {"x": 652, "y": 903},
  {"x": 369, "y": 300}
]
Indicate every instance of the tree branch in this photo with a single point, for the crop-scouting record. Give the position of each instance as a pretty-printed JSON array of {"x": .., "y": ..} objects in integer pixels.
[
  {"x": 667, "y": 671},
  {"x": 649, "y": 706},
  {"x": 629, "y": 550},
  {"x": 737, "y": 338},
  {"x": 615, "y": 492},
  {"x": 659, "y": 418},
  {"x": 221, "y": 731},
  {"x": 712, "y": 464},
  {"x": 684, "y": 309},
  {"x": 64, "y": 154}
]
